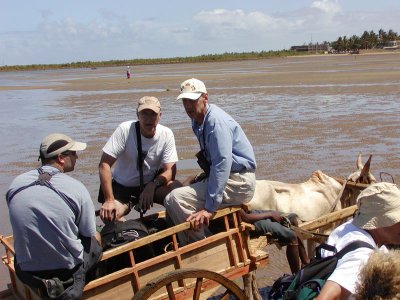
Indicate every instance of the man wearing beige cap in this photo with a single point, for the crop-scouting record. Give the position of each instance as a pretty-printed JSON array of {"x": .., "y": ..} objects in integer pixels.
[
  {"x": 53, "y": 221},
  {"x": 376, "y": 222},
  {"x": 226, "y": 157},
  {"x": 121, "y": 187}
]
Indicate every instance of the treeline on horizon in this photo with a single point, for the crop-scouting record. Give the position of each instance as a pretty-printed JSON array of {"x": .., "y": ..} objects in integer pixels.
[
  {"x": 150, "y": 61},
  {"x": 368, "y": 40}
]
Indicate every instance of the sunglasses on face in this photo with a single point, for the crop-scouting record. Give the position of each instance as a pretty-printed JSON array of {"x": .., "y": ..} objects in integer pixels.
[{"x": 67, "y": 153}]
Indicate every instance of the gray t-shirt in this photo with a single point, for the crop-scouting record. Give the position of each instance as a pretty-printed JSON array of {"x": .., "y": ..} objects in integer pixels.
[{"x": 45, "y": 228}]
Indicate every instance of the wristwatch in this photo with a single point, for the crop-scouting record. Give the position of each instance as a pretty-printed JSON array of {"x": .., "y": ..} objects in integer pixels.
[{"x": 157, "y": 182}]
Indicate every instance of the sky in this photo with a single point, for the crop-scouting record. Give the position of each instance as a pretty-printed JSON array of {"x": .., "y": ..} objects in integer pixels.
[{"x": 65, "y": 31}]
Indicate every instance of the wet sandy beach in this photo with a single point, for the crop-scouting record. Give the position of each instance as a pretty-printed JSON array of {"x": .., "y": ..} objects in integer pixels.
[{"x": 300, "y": 113}]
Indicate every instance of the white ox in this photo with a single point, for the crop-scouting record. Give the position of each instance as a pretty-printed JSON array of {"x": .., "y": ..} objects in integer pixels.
[{"x": 309, "y": 200}]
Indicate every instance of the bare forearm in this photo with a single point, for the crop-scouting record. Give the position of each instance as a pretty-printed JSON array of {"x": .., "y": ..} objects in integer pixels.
[
  {"x": 106, "y": 181},
  {"x": 168, "y": 174},
  {"x": 332, "y": 291}
]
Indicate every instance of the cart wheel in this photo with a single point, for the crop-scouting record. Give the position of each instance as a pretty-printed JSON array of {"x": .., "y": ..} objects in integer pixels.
[{"x": 166, "y": 280}]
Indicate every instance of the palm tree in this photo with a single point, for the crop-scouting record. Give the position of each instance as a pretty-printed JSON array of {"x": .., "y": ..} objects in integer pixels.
[
  {"x": 392, "y": 36},
  {"x": 339, "y": 44},
  {"x": 382, "y": 35},
  {"x": 368, "y": 40},
  {"x": 373, "y": 39},
  {"x": 364, "y": 39},
  {"x": 354, "y": 42}
]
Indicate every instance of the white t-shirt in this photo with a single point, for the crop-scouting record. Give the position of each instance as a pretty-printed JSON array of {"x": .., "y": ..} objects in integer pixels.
[
  {"x": 348, "y": 268},
  {"x": 157, "y": 151}
]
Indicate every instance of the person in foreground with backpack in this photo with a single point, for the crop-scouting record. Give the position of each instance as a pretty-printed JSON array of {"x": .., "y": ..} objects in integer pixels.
[
  {"x": 376, "y": 222},
  {"x": 53, "y": 220},
  {"x": 380, "y": 277},
  {"x": 271, "y": 223}
]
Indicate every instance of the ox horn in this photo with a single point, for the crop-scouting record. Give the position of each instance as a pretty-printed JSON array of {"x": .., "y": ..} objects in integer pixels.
[
  {"x": 359, "y": 162},
  {"x": 365, "y": 174}
]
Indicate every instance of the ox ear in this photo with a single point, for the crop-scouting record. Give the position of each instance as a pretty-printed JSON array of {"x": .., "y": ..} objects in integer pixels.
[
  {"x": 359, "y": 162},
  {"x": 365, "y": 174}
]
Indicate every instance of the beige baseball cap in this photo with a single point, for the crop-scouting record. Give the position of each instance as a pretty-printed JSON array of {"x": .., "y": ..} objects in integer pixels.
[
  {"x": 378, "y": 206},
  {"x": 57, "y": 143},
  {"x": 192, "y": 89},
  {"x": 149, "y": 102}
]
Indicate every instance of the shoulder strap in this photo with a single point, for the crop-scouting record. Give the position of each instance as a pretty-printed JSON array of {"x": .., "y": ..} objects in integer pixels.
[
  {"x": 140, "y": 154},
  {"x": 353, "y": 246},
  {"x": 140, "y": 159},
  {"x": 204, "y": 133},
  {"x": 44, "y": 180},
  {"x": 11, "y": 193},
  {"x": 326, "y": 247},
  {"x": 40, "y": 181},
  {"x": 204, "y": 137}
]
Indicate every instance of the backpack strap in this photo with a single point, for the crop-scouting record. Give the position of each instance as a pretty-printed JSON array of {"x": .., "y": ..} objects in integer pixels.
[
  {"x": 353, "y": 246},
  {"x": 140, "y": 161},
  {"x": 326, "y": 247},
  {"x": 44, "y": 180},
  {"x": 140, "y": 154},
  {"x": 312, "y": 277},
  {"x": 339, "y": 254}
]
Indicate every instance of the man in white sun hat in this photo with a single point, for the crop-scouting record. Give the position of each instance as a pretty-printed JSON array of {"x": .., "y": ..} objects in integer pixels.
[
  {"x": 376, "y": 222},
  {"x": 53, "y": 220},
  {"x": 226, "y": 157}
]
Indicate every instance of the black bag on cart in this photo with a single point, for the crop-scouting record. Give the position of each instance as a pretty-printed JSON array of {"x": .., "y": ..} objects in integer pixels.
[{"x": 115, "y": 234}]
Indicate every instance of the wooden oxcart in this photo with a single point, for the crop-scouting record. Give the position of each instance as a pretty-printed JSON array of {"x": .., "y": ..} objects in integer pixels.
[
  {"x": 191, "y": 270},
  {"x": 179, "y": 273}
]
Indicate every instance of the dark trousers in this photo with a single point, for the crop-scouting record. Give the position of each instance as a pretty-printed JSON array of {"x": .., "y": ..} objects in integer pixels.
[
  {"x": 126, "y": 195},
  {"x": 63, "y": 284}
]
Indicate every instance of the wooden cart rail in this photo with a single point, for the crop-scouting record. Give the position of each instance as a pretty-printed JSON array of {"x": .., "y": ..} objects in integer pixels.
[
  {"x": 329, "y": 218},
  {"x": 226, "y": 252}
]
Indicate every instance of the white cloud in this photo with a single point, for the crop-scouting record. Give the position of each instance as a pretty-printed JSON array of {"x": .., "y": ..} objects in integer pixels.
[
  {"x": 223, "y": 30},
  {"x": 327, "y": 6},
  {"x": 222, "y": 23},
  {"x": 109, "y": 35}
]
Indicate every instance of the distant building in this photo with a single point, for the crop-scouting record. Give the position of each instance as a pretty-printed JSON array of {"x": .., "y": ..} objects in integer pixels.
[
  {"x": 312, "y": 48},
  {"x": 299, "y": 48},
  {"x": 391, "y": 45}
]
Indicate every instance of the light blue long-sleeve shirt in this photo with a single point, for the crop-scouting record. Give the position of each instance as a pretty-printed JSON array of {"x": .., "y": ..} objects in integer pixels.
[{"x": 226, "y": 148}]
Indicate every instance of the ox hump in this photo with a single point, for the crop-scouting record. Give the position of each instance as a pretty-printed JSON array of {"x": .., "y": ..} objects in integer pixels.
[{"x": 322, "y": 181}]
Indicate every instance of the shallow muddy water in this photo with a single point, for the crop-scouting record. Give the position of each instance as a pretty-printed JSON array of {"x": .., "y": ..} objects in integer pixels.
[{"x": 301, "y": 114}]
